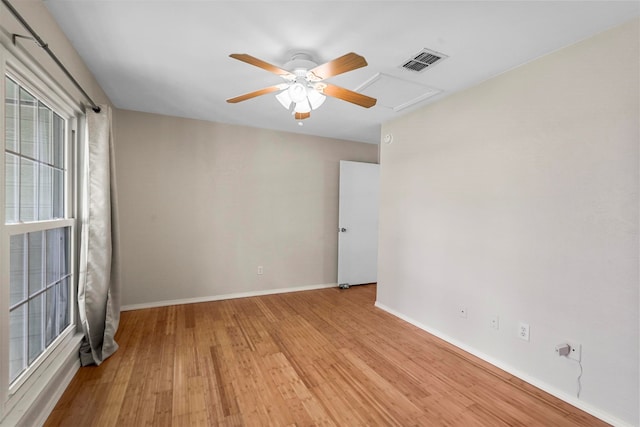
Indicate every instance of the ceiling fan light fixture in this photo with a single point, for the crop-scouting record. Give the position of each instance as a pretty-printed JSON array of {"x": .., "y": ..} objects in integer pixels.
[{"x": 298, "y": 92}]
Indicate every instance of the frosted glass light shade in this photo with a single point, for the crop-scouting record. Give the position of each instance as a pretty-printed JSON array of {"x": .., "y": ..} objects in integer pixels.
[
  {"x": 316, "y": 99},
  {"x": 302, "y": 107},
  {"x": 284, "y": 99}
]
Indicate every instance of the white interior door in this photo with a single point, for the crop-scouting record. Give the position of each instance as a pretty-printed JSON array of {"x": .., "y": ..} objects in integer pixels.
[{"x": 358, "y": 223}]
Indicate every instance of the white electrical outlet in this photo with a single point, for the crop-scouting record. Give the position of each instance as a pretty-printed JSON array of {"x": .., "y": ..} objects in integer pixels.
[
  {"x": 523, "y": 331},
  {"x": 462, "y": 312},
  {"x": 494, "y": 322},
  {"x": 260, "y": 269},
  {"x": 575, "y": 351}
]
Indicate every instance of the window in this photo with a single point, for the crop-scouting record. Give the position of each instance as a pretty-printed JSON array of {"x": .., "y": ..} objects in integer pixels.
[
  {"x": 34, "y": 150},
  {"x": 39, "y": 227},
  {"x": 39, "y": 294}
]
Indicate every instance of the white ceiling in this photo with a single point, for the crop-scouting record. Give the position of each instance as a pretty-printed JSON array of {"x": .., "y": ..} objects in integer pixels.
[{"x": 171, "y": 57}]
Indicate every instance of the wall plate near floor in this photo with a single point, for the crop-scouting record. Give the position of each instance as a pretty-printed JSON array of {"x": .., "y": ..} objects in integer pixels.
[
  {"x": 494, "y": 322},
  {"x": 523, "y": 331},
  {"x": 462, "y": 311},
  {"x": 575, "y": 351}
]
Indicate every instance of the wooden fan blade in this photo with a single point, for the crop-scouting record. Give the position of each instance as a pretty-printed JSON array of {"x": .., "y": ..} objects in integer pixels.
[
  {"x": 261, "y": 64},
  {"x": 346, "y": 95},
  {"x": 264, "y": 91},
  {"x": 302, "y": 116},
  {"x": 348, "y": 62}
]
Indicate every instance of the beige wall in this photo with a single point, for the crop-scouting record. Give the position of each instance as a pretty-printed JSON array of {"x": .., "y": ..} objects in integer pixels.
[
  {"x": 202, "y": 205},
  {"x": 519, "y": 198}
]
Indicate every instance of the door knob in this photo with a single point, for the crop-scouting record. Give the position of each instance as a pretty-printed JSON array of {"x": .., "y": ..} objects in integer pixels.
[{"x": 342, "y": 230}]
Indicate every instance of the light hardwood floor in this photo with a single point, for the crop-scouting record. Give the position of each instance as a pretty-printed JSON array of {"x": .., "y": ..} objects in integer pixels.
[{"x": 325, "y": 357}]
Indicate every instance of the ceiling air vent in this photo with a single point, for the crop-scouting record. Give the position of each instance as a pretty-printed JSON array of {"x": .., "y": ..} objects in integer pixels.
[{"x": 424, "y": 59}]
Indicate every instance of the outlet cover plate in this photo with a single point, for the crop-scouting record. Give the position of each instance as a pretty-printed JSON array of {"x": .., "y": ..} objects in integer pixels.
[
  {"x": 523, "y": 331},
  {"x": 494, "y": 322},
  {"x": 462, "y": 311},
  {"x": 575, "y": 351}
]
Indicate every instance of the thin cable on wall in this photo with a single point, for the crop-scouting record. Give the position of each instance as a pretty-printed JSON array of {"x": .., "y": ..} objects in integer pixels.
[
  {"x": 36, "y": 38},
  {"x": 580, "y": 379}
]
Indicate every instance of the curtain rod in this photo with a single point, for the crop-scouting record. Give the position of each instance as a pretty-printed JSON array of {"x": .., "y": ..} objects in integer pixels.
[{"x": 45, "y": 46}]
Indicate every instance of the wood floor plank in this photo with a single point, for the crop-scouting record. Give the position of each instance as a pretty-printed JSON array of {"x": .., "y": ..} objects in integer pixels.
[{"x": 325, "y": 357}]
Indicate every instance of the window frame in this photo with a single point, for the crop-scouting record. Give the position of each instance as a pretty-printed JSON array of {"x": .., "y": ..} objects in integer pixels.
[{"x": 35, "y": 81}]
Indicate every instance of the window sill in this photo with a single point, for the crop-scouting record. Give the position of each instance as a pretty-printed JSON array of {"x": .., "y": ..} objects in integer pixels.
[{"x": 36, "y": 399}]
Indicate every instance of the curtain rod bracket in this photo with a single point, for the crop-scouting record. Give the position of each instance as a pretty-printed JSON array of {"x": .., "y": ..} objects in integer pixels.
[{"x": 14, "y": 38}]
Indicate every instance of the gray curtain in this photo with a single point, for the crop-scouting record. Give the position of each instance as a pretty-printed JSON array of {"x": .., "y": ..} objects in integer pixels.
[{"x": 99, "y": 278}]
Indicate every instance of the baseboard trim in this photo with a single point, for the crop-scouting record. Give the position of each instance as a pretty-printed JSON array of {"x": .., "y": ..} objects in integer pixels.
[
  {"x": 596, "y": 412},
  {"x": 141, "y": 306}
]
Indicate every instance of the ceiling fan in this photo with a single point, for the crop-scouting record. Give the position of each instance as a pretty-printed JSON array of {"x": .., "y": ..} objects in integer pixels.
[{"x": 304, "y": 88}]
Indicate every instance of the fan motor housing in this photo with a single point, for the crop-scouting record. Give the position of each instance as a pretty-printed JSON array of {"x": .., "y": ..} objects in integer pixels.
[{"x": 300, "y": 61}]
